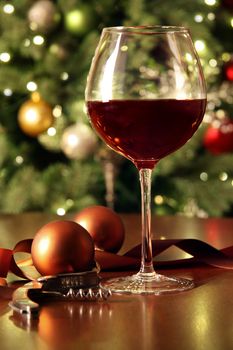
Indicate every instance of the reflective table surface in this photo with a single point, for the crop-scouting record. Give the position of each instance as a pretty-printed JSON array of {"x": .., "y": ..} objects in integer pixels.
[{"x": 201, "y": 318}]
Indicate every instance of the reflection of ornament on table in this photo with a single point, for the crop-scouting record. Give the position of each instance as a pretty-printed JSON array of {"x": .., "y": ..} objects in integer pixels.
[
  {"x": 35, "y": 116},
  {"x": 43, "y": 16},
  {"x": 228, "y": 71},
  {"x": 78, "y": 141},
  {"x": 73, "y": 322},
  {"x": 104, "y": 225},
  {"x": 62, "y": 246},
  {"x": 79, "y": 320},
  {"x": 79, "y": 20},
  {"x": 110, "y": 161},
  {"x": 218, "y": 138}
]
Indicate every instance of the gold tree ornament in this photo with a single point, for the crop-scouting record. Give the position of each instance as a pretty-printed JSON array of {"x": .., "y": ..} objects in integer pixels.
[{"x": 35, "y": 116}]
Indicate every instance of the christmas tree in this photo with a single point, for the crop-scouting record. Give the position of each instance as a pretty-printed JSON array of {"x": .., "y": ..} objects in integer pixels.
[{"x": 50, "y": 158}]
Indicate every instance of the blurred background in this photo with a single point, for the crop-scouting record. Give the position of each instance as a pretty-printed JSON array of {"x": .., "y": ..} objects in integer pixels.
[{"x": 51, "y": 160}]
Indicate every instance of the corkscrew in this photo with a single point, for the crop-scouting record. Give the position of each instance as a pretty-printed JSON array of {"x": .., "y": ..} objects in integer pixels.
[{"x": 63, "y": 287}]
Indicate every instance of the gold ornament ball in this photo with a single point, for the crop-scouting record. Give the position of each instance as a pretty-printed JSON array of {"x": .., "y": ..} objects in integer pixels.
[{"x": 35, "y": 116}]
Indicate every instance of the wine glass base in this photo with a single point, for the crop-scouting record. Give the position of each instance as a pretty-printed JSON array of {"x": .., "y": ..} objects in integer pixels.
[{"x": 153, "y": 284}]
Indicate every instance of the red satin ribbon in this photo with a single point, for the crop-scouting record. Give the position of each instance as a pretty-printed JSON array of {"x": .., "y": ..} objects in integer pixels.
[
  {"x": 201, "y": 253},
  {"x": 7, "y": 261}
]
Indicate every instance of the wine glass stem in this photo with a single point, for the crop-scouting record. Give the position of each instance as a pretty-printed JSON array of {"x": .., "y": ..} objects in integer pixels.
[{"x": 147, "y": 268}]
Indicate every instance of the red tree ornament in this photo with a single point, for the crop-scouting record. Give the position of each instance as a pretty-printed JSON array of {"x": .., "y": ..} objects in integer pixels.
[
  {"x": 219, "y": 139},
  {"x": 228, "y": 71}
]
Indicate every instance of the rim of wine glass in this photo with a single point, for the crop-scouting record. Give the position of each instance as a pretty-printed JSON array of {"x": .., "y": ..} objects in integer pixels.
[{"x": 147, "y": 29}]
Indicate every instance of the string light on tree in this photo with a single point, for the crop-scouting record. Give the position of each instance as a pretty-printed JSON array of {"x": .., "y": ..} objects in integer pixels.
[
  {"x": 210, "y": 2},
  {"x": 19, "y": 160},
  {"x": 51, "y": 131},
  {"x": 61, "y": 211},
  {"x": 64, "y": 76},
  {"x": 8, "y": 9},
  {"x": 57, "y": 111},
  {"x": 31, "y": 86},
  {"x": 7, "y": 92},
  {"x": 226, "y": 56},
  {"x": 198, "y": 18},
  {"x": 223, "y": 176},
  {"x": 211, "y": 16},
  {"x": 200, "y": 46},
  {"x": 5, "y": 57},
  {"x": 213, "y": 63},
  {"x": 204, "y": 176},
  {"x": 65, "y": 207},
  {"x": 27, "y": 43},
  {"x": 38, "y": 40},
  {"x": 159, "y": 200}
]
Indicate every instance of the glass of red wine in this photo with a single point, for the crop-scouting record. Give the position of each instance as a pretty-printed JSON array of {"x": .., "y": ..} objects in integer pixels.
[{"x": 145, "y": 98}]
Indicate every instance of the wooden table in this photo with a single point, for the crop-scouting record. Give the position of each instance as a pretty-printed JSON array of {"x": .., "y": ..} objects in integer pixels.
[{"x": 198, "y": 319}]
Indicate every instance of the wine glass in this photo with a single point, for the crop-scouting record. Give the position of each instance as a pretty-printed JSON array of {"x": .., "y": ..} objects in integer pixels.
[{"x": 145, "y": 98}]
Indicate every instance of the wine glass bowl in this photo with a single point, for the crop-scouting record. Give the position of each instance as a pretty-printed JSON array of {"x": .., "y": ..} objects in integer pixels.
[{"x": 145, "y": 98}]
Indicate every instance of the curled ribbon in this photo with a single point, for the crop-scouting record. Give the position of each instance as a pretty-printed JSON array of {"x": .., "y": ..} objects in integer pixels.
[
  {"x": 7, "y": 260},
  {"x": 201, "y": 252}
]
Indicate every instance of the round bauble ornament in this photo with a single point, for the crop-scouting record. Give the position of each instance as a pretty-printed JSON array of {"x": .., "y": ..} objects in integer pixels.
[
  {"x": 79, "y": 20},
  {"x": 219, "y": 139},
  {"x": 78, "y": 141},
  {"x": 35, "y": 116},
  {"x": 62, "y": 247},
  {"x": 104, "y": 225},
  {"x": 43, "y": 16},
  {"x": 228, "y": 71}
]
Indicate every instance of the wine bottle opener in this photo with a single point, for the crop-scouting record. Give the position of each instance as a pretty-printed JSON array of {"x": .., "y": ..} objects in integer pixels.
[{"x": 71, "y": 286}]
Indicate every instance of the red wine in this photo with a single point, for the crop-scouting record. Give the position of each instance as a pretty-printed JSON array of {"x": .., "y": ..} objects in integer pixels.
[{"x": 145, "y": 131}]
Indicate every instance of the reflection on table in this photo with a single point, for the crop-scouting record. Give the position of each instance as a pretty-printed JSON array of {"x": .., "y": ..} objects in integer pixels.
[{"x": 201, "y": 318}]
